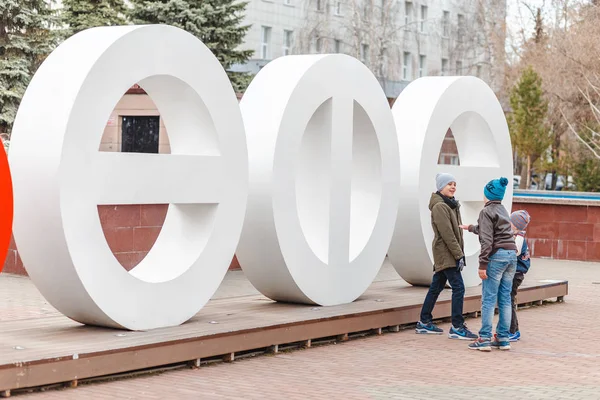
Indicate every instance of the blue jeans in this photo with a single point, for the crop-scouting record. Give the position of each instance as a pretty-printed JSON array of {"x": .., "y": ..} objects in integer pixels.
[
  {"x": 454, "y": 278},
  {"x": 497, "y": 287}
]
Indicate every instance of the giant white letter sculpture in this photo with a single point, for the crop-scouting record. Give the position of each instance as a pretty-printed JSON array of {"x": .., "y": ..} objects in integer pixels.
[
  {"x": 423, "y": 113},
  {"x": 60, "y": 176},
  {"x": 324, "y": 169},
  {"x": 324, "y": 179}
]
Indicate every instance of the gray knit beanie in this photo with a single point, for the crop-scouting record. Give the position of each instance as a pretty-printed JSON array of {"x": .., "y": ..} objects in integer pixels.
[{"x": 441, "y": 180}]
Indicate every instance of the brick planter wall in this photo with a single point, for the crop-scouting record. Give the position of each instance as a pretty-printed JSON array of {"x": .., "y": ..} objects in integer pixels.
[
  {"x": 130, "y": 231},
  {"x": 559, "y": 231},
  {"x": 563, "y": 231}
]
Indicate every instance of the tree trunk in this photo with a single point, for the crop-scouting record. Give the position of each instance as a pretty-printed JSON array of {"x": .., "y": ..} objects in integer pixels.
[
  {"x": 555, "y": 160},
  {"x": 529, "y": 171},
  {"x": 523, "y": 183}
]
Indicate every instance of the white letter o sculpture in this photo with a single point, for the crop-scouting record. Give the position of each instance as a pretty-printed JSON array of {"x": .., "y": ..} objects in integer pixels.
[
  {"x": 60, "y": 177},
  {"x": 324, "y": 179},
  {"x": 423, "y": 113}
]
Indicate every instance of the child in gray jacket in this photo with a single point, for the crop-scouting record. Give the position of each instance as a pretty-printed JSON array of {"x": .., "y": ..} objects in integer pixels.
[{"x": 497, "y": 265}]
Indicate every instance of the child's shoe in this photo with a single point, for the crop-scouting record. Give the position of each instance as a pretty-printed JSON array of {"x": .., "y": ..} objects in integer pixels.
[
  {"x": 461, "y": 333},
  {"x": 428, "y": 328},
  {"x": 482, "y": 344},
  {"x": 514, "y": 337},
  {"x": 502, "y": 344}
]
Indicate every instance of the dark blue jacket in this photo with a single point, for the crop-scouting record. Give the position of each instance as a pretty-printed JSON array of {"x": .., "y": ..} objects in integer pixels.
[{"x": 523, "y": 259}]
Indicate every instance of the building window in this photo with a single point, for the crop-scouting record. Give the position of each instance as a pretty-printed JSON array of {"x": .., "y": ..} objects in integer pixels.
[
  {"x": 320, "y": 5},
  {"x": 408, "y": 10},
  {"x": 460, "y": 27},
  {"x": 448, "y": 158},
  {"x": 139, "y": 134},
  {"x": 384, "y": 61},
  {"x": 265, "y": 38},
  {"x": 319, "y": 45},
  {"x": 423, "y": 26},
  {"x": 478, "y": 71},
  {"x": 338, "y": 8},
  {"x": 364, "y": 53},
  {"x": 422, "y": 66},
  {"x": 446, "y": 24},
  {"x": 459, "y": 67},
  {"x": 337, "y": 45},
  {"x": 366, "y": 11},
  {"x": 444, "y": 66},
  {"x": 406, "y": 66},
  {"x": 288, "y": 37}
]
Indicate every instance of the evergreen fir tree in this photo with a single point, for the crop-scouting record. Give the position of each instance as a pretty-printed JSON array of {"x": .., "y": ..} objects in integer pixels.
[
  {"x": 539, "y": 34},
  {"x": 25, "y": 40},
  {"x": 528, "y": 132},
  {"x": 586, "y": 171},
  {"x": 78, "y": 15},
  {"x": 217, "y": 23}
]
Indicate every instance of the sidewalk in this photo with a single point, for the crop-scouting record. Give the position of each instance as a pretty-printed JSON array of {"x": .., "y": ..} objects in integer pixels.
[{"x": 558, "y": 358}]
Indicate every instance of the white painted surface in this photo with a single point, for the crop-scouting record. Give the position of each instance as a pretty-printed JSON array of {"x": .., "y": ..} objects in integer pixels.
[
  {"x": 423, "y": 113},
  {"x": 60, "y": 176},
  {"x": 324, "y": 179}
]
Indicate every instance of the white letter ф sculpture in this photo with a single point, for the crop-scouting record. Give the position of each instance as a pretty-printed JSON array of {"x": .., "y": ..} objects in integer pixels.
[
  {"x": 324, "y": 179},
  {"x": 423, "y": 113},
  {"x": 60, "y": 176}
]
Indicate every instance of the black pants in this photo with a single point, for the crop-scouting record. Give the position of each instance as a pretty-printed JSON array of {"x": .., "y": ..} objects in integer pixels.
[
  {"x": 454, "y": 278},
  {"x": 514, "y": 322}
]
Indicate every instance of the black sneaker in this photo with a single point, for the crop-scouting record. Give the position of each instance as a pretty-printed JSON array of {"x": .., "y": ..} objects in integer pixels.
[
  {"x": 461, "y": 333},
  {"x": 428, "y": 328}
]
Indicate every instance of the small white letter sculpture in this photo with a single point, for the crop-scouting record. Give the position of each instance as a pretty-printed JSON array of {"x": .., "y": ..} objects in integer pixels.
[
  {"x": 60, "y": 176},
  {"x": 324, "y": 179},
  {"x": 423, "y": 113}
]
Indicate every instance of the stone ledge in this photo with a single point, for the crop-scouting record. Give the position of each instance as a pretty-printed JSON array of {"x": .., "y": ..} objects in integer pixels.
[{"x": 557, "y": 198}]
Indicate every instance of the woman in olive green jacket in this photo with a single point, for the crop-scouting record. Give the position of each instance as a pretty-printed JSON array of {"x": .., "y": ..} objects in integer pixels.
[{"x": 449, "y": 260}]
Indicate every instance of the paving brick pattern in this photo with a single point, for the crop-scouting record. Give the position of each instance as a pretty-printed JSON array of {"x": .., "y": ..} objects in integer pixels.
[{"x": 557, "y": 358}]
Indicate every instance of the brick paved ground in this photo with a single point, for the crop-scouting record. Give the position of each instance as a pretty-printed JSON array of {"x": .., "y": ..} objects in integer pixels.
[{"x": 558, "y": 358}]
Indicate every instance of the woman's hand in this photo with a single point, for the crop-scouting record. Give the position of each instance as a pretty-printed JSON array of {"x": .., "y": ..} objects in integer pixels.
[
  {"x": 483, "y": 274},
  {"x": 465, "y": 227}
]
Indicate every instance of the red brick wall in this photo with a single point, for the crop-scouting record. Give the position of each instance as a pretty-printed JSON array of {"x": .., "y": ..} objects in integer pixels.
[
  {"x": 569, "y": 232},
  {"x": 130, "y": 232},
  {"x": 565, "y": 232},
  {"x": 13, "y": 263},
  {"x": 448, "y": 150}
]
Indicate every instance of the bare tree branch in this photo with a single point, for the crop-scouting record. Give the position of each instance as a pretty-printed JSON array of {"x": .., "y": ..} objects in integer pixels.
[
  {"x": 572, "y": 130},
  {"x": 595, "y": 110}
]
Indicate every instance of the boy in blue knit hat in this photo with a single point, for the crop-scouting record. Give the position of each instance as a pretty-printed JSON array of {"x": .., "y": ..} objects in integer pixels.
[
  {"x": 519, "y": 220},
  {"x": 497, "y": 265}
]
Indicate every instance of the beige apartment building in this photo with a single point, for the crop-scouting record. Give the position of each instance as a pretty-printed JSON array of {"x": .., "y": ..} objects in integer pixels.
[
  {"x": 398, "y": 40},
  {"x": 135, "y": 126}
]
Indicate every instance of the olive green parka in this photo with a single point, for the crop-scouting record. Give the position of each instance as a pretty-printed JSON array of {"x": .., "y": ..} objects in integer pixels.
[{"x": 448, "y": 243}]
